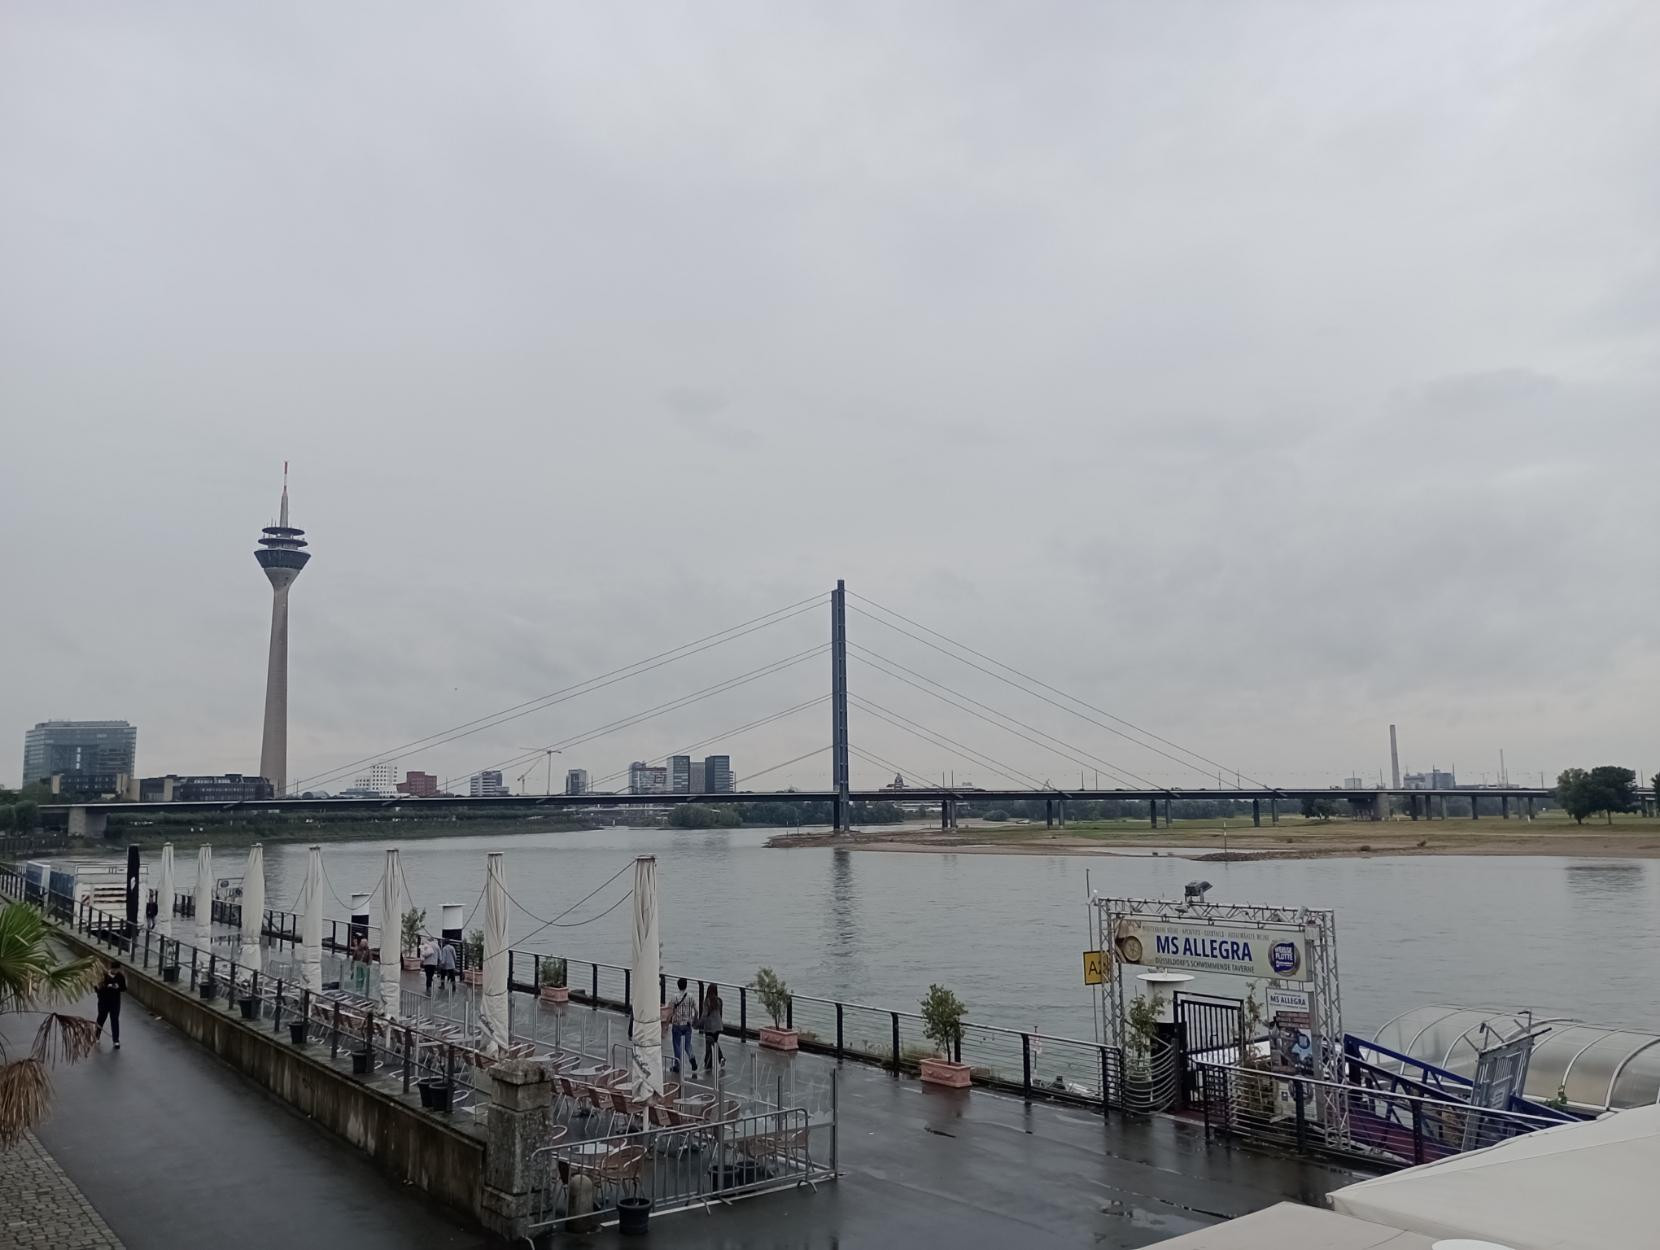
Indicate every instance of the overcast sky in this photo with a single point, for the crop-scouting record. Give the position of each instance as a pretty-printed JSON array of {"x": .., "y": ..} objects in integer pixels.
[{"x": 1260, "y": 373}]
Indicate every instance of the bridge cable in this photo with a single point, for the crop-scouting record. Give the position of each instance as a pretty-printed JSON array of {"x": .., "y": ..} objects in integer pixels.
[
  {"x": 935, "y": 738},
  {"x": 1187, "y": 764},
  {"x": 662, "y": 658},
  {"x": 626, "y": 722},
  {"x": 1071, "y": 752},
  {"x": 728, "y": 735}
]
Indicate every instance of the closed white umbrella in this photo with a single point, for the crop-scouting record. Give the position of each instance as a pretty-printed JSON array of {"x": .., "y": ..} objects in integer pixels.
[
  {"x": 646, "y": 1063},
  {"x": 164, "y": 894},
  {"x": 253, "y": 907},
  {"x": 492, "y": 1015},
  {"x": 204, "y": 898},
  {"x": 311, "y": 927},
  {"x": 391, "y": 938}
]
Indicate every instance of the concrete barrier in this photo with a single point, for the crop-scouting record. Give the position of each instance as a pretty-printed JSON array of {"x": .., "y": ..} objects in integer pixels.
[{"x": 407, "y": 1144}]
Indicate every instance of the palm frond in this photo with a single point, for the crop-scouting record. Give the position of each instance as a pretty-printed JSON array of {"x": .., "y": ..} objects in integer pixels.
[
  {"x": 64, "y": 1039},
  {"x": 25, "y": 1092},
  {"x": 30, "y": 970}
]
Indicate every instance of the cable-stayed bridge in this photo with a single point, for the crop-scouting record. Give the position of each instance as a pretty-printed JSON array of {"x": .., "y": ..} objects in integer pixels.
[{"x": 877, "y": 673}]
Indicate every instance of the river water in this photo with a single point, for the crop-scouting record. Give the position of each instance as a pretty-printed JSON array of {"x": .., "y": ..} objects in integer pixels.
[{"x": 1563, "y": 936}]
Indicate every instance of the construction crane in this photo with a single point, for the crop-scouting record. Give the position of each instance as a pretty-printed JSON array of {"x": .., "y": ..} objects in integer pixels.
[{"x": 551, "y": 752}]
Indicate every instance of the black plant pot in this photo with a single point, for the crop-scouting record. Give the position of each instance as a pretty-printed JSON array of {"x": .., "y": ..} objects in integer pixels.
[
  {"x": 296, "y": 1032},
  {"x": 633, "y": 1216},
  {"x": 170, "y": 974},
  {"x": 435, "y": 1093},
  {"x": 207, "y": 989},
  {"x": 250, "y": 1008},
  {"x": 360, "y": 1062}
]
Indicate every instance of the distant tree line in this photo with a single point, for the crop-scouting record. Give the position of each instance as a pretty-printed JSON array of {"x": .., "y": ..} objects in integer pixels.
[
  {"x": 731, "y": 815},
  {"x": 1607, "y": 788},
  {"x": 20, "y": 809}
]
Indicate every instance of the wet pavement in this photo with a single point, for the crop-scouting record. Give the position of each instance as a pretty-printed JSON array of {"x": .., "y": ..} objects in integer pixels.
[{"x": 164, "y": 1139}]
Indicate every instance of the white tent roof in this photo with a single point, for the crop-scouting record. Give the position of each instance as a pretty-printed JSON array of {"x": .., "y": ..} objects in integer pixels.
[
  {"x": 1586, "y": 1186},
  {"x": 1292, "y": 1227}
]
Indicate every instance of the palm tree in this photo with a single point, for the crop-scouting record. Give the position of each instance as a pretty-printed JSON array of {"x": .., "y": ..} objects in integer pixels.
[{"x": 32, "y": 978}]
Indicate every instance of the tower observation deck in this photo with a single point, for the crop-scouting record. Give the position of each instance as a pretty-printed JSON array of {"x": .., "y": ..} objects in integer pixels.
[{"x": 282, "y": 554}]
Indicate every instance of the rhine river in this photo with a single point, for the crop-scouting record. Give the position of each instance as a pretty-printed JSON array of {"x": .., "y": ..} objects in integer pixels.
[{"x": 1560, "y": 936}]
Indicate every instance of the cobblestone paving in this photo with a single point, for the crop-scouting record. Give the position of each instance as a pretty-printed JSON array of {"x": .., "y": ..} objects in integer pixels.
[{"x": 40, "y": 1208}]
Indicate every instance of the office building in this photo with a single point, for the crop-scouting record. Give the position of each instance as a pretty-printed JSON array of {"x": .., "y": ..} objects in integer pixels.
[
  {"x": 695, "y": 786},
  {"x": 282, "y": 554},
  {"x": 418, "y": 785},
  {"x": 486, "y": 785},
  {"x": 680, "y": 774},
  {"x": 717, "y": 774},
  {"x": 576, "y": 781},
  {"x": 643, "y": 778},
  {"x": 79, "y": 748},
  {"x": 1434, "y": 779},
  {"x": 381, "y": 782},
  {"x": 223, "y": 788}
]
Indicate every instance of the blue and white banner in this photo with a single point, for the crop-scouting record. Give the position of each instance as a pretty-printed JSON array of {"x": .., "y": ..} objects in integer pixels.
[{"x": 1271, "y": 954}]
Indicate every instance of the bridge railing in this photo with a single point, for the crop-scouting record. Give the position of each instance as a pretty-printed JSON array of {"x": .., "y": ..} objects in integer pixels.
[{"x": 1378, "y": 1124}]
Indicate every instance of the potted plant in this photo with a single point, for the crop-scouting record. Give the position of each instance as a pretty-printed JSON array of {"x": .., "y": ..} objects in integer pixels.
[
  {"x": 169, "y": 966},
  {"x": 413, "y": 919},
  {"x": 207, "y": 987},
  {"x": 249, "y": 1003},
  {"x": 1141, "y": 1041},
  {"x": 297, "y": 1031},
  {"x": 472, "y": 957},
  {"x": 435, "y": 1093},
  {"x": 553, "y": 988},
  {"x": 775, "y": 999},
  {"x": 942, "y": 1024}
]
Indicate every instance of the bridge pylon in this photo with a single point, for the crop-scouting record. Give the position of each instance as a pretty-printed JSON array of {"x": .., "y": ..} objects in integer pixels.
[{"x": 839, "y": 781}]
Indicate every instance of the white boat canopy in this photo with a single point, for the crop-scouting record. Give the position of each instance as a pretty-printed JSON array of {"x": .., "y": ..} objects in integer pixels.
[
  {"x": 1582, "y": 1186},
  {"x": 1598, "y": 1069}
]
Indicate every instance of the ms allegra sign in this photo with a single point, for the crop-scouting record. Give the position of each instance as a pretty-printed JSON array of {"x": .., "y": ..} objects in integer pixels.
[{"x": 1268, "y": 953}]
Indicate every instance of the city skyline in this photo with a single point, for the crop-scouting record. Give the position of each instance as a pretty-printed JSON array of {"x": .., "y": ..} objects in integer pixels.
[{"x": 1326, "y": 404}]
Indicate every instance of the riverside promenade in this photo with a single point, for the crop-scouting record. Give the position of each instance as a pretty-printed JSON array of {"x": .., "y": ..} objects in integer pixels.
[{"x": 165, "y": 1141}]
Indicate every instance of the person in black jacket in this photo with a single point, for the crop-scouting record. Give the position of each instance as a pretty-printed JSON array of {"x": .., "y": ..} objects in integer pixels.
[{"x": 110, "y": 989}]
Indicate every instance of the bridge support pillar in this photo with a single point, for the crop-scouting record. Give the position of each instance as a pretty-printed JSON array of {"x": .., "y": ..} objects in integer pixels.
[
  {"x": 1504, "y": 807},
  {"x": 1443, "y": 814},
  {"x": 948, "y": 813},
  {"x": 1475, "y": 807},
  {"x": 839, "y": 773},
  {"x": 1060, "y": 813},
  {"x": 1412, "y": 806},
  {"x": 1380, "y": 806},
  {"x": 87, "y": 824},
  {"x": 1256, "y": 813},
  {"x": 1153, "y": 812},
  {"x": 1273, "y": 811},
  {"x": 1167, "y": 813},
  {"x": 1048, "y": 813},
  {"x": 1530, "y": 807}
]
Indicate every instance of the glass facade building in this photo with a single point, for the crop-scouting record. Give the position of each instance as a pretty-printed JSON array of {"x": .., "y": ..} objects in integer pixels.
[{"x": 71, "y": 747}]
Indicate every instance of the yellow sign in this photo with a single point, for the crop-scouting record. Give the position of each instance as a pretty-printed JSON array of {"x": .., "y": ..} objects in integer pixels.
[{"x": 1095, "y": 967}]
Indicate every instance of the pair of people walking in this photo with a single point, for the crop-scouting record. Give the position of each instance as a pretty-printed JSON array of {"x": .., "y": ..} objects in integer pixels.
[
  {"x": 686, "y": 1014},
  {"x": 438, "y": 960}
]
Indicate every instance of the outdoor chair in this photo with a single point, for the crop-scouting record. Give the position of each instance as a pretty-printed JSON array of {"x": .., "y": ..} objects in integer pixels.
[{"x": 620, "y": 1171}]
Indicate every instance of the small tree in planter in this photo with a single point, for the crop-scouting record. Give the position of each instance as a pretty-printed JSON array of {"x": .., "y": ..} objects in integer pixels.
[
  {"x": 472, "y": 957},
  {"x": 942, "y": 1024},
  {"x": 413, "y": 920},
  {"x": 1140, "y": 1043},
  {"x": 553, "y": 987},
  {"x": 775, "y": 999}
]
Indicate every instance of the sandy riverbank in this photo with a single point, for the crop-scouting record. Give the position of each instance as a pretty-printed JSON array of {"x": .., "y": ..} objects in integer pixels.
[{"x": 1629, "y": 837}]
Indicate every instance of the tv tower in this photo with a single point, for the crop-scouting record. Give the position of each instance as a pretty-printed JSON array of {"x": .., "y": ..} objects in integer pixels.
[{"x": 282, "y": 555}]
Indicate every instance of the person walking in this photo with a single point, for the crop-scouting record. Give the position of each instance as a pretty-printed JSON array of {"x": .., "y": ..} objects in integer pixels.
[
  {"x": 446, "y": 963},
  {"x": 111, "y": 986},
  {"x": 151, "y": 909},
  {"x": 711, "y": 1025},
  {"x": 682, "y": 1014},
  {"x": 429, "y": 961}
]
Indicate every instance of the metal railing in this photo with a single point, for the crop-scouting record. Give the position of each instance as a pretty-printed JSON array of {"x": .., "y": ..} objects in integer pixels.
[
  {"x": 1380, "y": 1125},
  {"x": 679, "y": 1160},
  {"x": 1034, "y": 1064}
]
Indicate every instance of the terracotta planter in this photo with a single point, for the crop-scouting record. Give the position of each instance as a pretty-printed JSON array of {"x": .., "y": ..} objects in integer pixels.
[
  {"x": 472, "y": 976},
  {"x": 555, "y": 994},
  {"x": 780, "y": 1039},
  {"x": 944, "y": 1072},
  {"x": 411, "y": 963}
]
